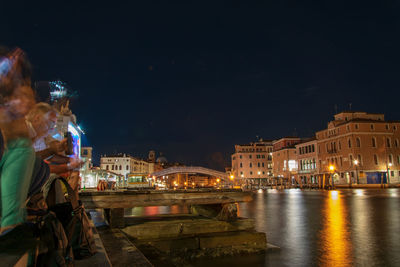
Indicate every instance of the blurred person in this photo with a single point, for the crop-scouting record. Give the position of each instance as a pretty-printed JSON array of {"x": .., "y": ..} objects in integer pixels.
[
  {"x": 41, "y": 120},
  {"x": 16, "y": 165}
]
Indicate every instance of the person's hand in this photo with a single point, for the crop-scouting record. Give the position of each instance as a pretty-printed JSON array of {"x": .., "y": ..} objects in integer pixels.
[
  {"x": 58, "y": 146},
  {"x": 75, "y": 163}
]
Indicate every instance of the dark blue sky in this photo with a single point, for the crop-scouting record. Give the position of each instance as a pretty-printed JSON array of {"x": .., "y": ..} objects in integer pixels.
[{"x": 193, "y": 79}]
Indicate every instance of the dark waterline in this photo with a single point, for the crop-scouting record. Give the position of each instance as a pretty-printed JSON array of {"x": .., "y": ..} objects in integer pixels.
[{"x": 358, "y": 227}]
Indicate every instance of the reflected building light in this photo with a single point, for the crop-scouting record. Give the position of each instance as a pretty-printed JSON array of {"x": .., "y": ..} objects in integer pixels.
[
  {"x": 359, "y": 192},
  {"x": 334, "y": 195},
  {"x": 260, "y": 191}
]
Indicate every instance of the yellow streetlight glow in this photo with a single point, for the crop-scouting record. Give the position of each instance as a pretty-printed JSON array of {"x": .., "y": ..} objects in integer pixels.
[
  {"x": 218, "y": 180},
  {"x": 390, "y": 164},
  {"x": 331, "y": 168},
  {"x": 355, "y": 162},
  {"x": 232, "y": 177}
]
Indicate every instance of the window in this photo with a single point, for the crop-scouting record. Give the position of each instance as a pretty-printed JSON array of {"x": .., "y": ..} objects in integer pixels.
[
  {"x": 394, "y": 127},
  {"x": 387, "y": 127},
  {"x": 312, "y": 148},
  {"x": 258, "y": 164},
  {"x": 251, "y": 173},
  {"x": 240, "y": 156},
  {"x": 107, "y": 167},
  {"x": 398, "y": 159},
  {"x": 372, "y": 126},
  {"x": 356, "y": 126},
  {"x": 234, "y": 158},
  {"x": 392, "y": 173},
  {"x": 351, "y": 160},
  {"x": 388, "y": 142},
  {"x": 241, "y": 173},
  {"x": 376, "y": 159},
  {"x": 241, "y": 165},
  {"x": 127, "y": 167},
  {"x": 348, "y": 128},
  {"x": 349, "y": 141},
  {"x": 120, "y": 167},
  {"x": 251, "y": 165},
  {"x": 263, "y": 164},
  {"x": 358, "y": 142},
  {"x": 373, "y": 142},
  {"x": 359, "y": 159},
  {"x": 341, "y": 161},
  {"x": 112, "y": 167},
  {"x": 396, "y": 143},
  {"x": 340, "y": 145},
  {"x": 390, "y": 158},
  {"x": 249, "y": 156}
]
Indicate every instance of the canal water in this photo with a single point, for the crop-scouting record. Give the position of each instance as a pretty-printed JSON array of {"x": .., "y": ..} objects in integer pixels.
[
  {"x": 358, "y": 227},
  {"x": 349, "y": 227}
]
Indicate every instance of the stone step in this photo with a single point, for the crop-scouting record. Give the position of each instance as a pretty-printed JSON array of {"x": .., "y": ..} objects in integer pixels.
[
  {"x": 169, "y": 227},
  {"x": 207, "y": 245}
]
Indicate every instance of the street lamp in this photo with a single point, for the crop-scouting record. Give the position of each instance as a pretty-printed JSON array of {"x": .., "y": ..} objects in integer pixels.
[
  {"x": 231, "y": 178},
  {"x": 389, "y": 165},
  {"x": 332, "y": 170},
  {"x": 356, "y": 164}
]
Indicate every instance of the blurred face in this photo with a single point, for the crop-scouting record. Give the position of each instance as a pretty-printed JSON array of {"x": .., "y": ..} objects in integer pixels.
[
  {"x": 21, "y": 101},
  {"x": 44, "y": 123}
]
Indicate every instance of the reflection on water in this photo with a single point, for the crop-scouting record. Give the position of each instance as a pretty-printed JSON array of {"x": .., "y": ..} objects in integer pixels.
[
  {"x": 316, "y": 228},
  {"x": 335, "y": 243},
  {"x": 359, "y": 227},
  {"x": 156, "y": 210}
]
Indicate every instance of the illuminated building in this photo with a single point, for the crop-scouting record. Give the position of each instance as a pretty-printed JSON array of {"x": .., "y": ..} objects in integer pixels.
[
  {"x": 253, "y": 162},
  {"x": 284, "y": 159},
  {"x": 124, "y": 164},
  {"x": 307, "y": 161},
  {"x": 362, "y": 146}
]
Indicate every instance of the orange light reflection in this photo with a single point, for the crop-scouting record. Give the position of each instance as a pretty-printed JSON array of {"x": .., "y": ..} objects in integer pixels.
[{"x": 335, "y": 238}]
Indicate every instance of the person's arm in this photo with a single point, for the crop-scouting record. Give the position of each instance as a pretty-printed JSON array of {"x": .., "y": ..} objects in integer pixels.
[
  {"x": 55, "y": 147},
  {"x": 46, "y": 153}
]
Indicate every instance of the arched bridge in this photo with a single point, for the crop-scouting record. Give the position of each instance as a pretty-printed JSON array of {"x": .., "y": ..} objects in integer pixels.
[{"x": 191, "y": 169}]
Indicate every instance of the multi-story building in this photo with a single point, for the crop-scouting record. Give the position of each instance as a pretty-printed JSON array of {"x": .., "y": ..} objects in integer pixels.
[
  {"x": 284, "y": 159},
  {"x": 252, "y": 161},
  {"x": 123, "y": 164},
  {"x": 360, "y": 147},
  {"x": 307, "y": 162}
]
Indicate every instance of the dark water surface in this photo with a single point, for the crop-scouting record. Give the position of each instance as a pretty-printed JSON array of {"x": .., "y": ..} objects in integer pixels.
[{"x": 359, "y": 227}]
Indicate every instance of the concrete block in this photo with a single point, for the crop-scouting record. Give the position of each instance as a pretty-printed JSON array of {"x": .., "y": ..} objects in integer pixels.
[{"x": 249, "y": 239}]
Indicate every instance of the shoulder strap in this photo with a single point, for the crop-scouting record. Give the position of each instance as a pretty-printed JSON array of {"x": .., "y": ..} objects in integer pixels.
[{"x": 72, "y": 196}]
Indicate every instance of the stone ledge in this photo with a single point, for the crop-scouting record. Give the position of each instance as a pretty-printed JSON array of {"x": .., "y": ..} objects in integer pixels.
[{"x": 189, "y": 226}]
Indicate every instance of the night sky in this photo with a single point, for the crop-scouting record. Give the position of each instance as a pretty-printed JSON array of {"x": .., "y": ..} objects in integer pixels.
[{"x": 193, "y": 79}]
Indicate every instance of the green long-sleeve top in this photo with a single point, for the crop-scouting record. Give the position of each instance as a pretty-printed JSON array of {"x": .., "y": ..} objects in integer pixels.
[{"x": 16, "y": 168}]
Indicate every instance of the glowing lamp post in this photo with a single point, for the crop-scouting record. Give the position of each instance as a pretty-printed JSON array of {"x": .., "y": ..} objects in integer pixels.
[
  {"x": 388, "y": 172},
  {"x": 356, "y": 164},
  {"x": 332, "y": 171},
  {"x": 231, "y": 178}
]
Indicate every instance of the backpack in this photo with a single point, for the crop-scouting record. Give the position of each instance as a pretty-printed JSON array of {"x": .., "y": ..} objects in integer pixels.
[
  {"x": 54, "y": 248},
  {"x": 73, "y": 217}
]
